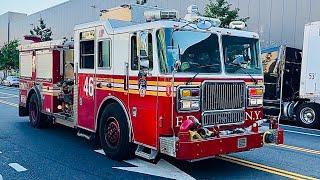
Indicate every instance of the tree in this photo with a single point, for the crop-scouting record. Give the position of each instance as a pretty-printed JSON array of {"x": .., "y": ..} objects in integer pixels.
[
  {"x": 221, "y": 9},
  {"x": 9, "y": 56},
  {"x": 42, "y": 31}
]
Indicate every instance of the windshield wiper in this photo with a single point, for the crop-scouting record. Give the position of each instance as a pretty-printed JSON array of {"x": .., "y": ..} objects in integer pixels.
[
  {"x": 244, "y": 70},
  {"x": 192, "y": 78}
]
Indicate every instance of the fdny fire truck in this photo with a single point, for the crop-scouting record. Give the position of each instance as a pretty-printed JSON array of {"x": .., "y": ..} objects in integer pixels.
[{"x": 176, "y": 86}]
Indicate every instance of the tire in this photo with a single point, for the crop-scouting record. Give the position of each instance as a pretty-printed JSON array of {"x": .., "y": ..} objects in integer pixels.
[
  {"x": 37, "y": 119},
  {"x": 308, "y": 115},
  {"x": 114, "y": 133}
]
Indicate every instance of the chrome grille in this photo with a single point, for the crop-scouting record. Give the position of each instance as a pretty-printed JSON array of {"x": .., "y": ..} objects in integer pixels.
[
  {"x": 225, "y": 117},
  {"x": 223, "y": 95}
]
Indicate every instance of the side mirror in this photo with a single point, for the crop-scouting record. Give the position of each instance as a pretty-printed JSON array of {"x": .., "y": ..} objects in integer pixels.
[
  {"x": 177, "y": 65},
  {"x": 144, "y": 64},
  {"x": 143, "y": 51}
]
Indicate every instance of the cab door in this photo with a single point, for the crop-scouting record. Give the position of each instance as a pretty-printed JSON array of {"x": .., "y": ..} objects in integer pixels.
[
  {"x": 86, "y": 79},
  {"x": 143, "y": 90}
]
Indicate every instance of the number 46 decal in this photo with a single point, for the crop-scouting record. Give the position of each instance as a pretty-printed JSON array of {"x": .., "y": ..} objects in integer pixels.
[{"x": 88, "y": 86}]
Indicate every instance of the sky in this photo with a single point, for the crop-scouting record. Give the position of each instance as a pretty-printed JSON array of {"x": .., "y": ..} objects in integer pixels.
[{"x": 27, "y": 6}]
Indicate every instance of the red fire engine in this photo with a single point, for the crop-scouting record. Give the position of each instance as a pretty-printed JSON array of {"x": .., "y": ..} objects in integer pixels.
[{"x": 180, "y": 87}]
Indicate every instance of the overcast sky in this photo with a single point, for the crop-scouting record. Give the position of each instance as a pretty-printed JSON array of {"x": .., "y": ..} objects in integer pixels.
[{"x": 27, "y": 6}]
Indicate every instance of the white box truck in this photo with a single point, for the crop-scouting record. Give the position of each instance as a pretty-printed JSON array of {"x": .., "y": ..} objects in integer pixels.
[{"x": 292, "y": 79}]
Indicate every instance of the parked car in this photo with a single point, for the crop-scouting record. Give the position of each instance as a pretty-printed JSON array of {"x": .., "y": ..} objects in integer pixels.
[{"x": 11, "y": 81}]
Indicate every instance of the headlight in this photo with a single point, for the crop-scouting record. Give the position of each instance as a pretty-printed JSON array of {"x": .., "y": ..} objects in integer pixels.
[
  {"x": 256, "y": 101},
  {"x": 188, "y": 99},
  {"x": 255, "y": 96},
  {"x": 189, "y": 105}
]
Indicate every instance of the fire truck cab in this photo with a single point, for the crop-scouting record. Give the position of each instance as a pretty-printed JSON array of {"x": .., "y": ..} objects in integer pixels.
[{"x": 180, "y": 87}]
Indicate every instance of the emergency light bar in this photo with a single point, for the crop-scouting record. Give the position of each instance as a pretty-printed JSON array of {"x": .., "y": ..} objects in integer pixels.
[
  {"x": 192, "y": 16},
  {"x": 237, "y": 25},
  {"x": 161, "y": 14}
]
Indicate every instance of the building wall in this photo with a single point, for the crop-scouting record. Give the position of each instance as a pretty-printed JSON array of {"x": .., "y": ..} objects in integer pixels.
[
  {"x": 277, "y": 21},
  {"x": 5, "y": 21}
]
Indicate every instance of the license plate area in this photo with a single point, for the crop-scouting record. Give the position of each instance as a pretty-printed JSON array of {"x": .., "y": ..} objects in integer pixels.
[{"x": 242, "y": 143}]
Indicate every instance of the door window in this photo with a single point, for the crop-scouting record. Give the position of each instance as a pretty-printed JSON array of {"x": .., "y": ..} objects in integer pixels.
[
  {"x": 87, "y": 54},
  {"x": 104, "y": 54},
  {"x": 134, "y": 52}
]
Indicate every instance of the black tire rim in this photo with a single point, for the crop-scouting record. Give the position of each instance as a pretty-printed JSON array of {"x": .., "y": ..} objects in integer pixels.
[
  {"x": 33, "y": 111},
  {"x": 112, "y": 132}
]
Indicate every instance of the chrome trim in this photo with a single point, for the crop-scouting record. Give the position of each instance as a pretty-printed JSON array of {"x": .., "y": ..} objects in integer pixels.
[
  {"x": 248, "y": 96},
  {"x": 233, "y": 117},
  {"x": 223, "y": 92},
  {"x": 234, "y": 92},
  {"x": 178, "y": 99}
]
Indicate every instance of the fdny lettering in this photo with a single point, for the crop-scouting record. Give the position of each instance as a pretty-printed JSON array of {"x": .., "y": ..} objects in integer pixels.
[
  {"x": 253, "y": 115},
  {"x": 179, "y": 121}
]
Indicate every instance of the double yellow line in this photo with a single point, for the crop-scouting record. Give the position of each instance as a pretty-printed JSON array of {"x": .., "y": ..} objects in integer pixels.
[
  {"x": 264, "y": 168},
  {"x": 250, "y": 164},
  {"x": 309, "y": 151}
]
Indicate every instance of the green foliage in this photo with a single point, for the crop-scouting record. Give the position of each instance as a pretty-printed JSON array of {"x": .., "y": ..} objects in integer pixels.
[
  {"x": 42, "y": 31},
  {"x": 9, "y": 55},
  {"x": 221, "y": 9}
]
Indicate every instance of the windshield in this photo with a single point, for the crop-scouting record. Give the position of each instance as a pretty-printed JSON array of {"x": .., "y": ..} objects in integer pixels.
[
  {"x": 197, "y": 51},
  {"x": 241, "y": 55}
]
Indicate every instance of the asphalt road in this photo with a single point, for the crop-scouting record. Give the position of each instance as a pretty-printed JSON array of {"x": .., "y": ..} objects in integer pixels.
[{"x": 58, "y": 153}]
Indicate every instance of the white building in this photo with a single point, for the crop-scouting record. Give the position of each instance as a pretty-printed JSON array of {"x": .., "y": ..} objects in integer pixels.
[{"x": 277, "y": 21}]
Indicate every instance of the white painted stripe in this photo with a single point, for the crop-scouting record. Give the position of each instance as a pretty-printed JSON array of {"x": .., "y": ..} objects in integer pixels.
[
  {"x": 118, "y": 85},
  {"x": 9, "y": 103},
  {"x": 17, "y": 167},
  {"x": 14, "y": 95},
  {"x": 7, "y": 97},
  {"x": 1, "y": 178},
  {"x": 160, "y": 88},
  {"x": 133, "y": 86},
  {"x": 297, "y": 127},
  {"x": 297, "y": 132},
  {"x": 100, "y": 151},
  {"x": 8, "y": 88}
]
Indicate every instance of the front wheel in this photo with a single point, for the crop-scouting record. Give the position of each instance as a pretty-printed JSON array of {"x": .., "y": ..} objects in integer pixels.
[
  {"x": 114, "y": 133},
  {"x": 308, "y": 115}
]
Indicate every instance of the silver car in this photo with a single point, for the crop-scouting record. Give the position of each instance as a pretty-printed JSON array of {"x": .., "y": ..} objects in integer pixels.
[{"x": 11, "y": 81}]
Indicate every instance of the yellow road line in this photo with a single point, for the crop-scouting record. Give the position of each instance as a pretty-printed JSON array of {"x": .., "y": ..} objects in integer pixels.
[
  {"x": 9, "y": 103},
  {"x": 311, "y": 151},
  {"x": 264, "y": 168}
]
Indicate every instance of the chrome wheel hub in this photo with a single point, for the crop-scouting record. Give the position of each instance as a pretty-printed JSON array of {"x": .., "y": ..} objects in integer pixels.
[{"x": 307, "y": 115}]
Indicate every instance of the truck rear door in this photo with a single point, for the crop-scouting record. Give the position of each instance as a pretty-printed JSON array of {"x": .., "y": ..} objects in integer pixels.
[{"x": 310, "y": 80}]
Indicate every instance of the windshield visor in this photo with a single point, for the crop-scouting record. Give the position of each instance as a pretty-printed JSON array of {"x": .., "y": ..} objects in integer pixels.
[
  {"x": 197, "y": 51},
  {"x": 241, "y": 53}
]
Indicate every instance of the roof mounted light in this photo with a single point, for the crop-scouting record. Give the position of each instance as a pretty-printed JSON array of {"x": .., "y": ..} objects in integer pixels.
[
  {"x": 203, "y": 22},
  {"x": 193, "y": 9},
  {"x": 237, "y": 25},
  {"x": 161, "y": 14}
]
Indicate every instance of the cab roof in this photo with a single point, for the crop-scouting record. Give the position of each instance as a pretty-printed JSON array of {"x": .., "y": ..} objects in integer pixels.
[{"x": 118, "y": 27}]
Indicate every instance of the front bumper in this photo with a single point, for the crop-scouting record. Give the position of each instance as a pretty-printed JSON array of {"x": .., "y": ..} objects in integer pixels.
[{"x": 206, "y": 148}]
